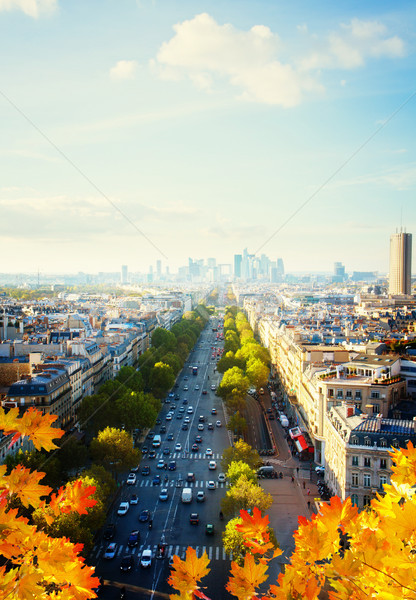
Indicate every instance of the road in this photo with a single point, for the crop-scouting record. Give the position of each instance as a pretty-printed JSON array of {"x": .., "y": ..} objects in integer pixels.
[{"x": 171, "y": 518}]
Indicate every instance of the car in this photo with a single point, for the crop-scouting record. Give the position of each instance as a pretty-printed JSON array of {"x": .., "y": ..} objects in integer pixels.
[
  {"x": 131, "y": 479},
  {"x": 218, "y": 423},
  {"x": 170, "y": 437},
  {"x": 190, "y": 410},
  {"x": 201, "y": 419},
  {"x": 178, "y": 447},
  {"x": 150, "y": 435},
  {"x": 210, "y": 426},
  {"x": 144, "y": 515},
  {"x": 185, "y": 427},
  {"x": 161, "y": 464},
  {"x": 270, "y": 417},
  {"x": 186, "y": 378},
  {"x": 166, "y": 451},
  {"x": 198, "y": 439},
  {"x": 156, "y": 480},
  {"x": 212, "y": 465},
  {"x": 209, "y": 529},
  {"x": 134, "y": 499},
  {"x": 177, "y": 397},
  {"x": 185, "y": 401},
  {"x": 221, "y": 478},
  {"x": 211, "y": 485},
  {"x": 123, "y": 508},
  {"x": 213, "y": 387},
  {"x": 172, "y": 465},
  {"x": 127, "y": 563},
  {"x": 194, "y": 519},
  {"x": 190, "y": 478},
  {"x": 187, "y": 420},
  {"x": 145, "y": 470},
  {"x": 163, "y": 429},
  {"x": 167, "y": 400},
  {"x": 200, "y": 496},
  {"x": 172, "y": 407},
  {"x": 182, "y": 409},
  {"x": 145, "y": 450},
  {"x": 109, "y": 531},
  {"x": 169, "y": 417},
  {"x": 195, "y": 448},
  {"x": 201, "y": 427},
  {"x": 171, "y": 395},
  {"x": 213, "y": 411},
  {"x": 208, "y": 452},
  {"x": 146, "y": 559},
  {"x": 134, "y": 539},
  {"x": 111, "y": 551},
  {"x": 158, "y": 421},
  {"x": 185, "y": 388},
  {"x": 197, "y": 387},
  {"x": 179, "y": 416},
  {"x": 164, "y": 495},
  {"x": 204, "y": 392},
  {"x": 269, "y": 410},
  {"x": 320, "y": 470},
  {"x": 152, "y": 454}
]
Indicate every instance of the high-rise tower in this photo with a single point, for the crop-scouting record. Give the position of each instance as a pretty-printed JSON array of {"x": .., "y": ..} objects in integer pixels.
[{"x": 400, "y": 263}]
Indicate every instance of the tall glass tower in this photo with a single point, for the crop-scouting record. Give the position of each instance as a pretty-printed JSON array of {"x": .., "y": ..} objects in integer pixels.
[{"x": 400, "y": 263}]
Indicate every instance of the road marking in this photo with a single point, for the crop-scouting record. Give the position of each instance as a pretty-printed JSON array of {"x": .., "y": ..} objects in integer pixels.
[{"x": 217, "y": 553}]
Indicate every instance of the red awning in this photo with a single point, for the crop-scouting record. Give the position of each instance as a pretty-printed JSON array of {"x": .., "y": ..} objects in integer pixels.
[{"x": 301, "y": 444}]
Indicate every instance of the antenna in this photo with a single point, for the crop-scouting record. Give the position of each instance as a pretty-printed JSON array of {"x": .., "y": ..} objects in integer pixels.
[{"x": 401, "y": 218}]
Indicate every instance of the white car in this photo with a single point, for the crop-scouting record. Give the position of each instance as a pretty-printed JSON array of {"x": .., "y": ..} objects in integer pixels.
[
  {"x": 201, "y": 427},
  {"x": 164, "y": 495},
  {"x": 169, "y": 417},
  {"x": 221, "y": 478},
  {"x": 212, "y": 465},
  {"x": 190, "y": 410},
  {"x": 146, "y": 559},
  {"x": 218, "y": 423},
  {"x": 187, "y": 420},
  {"x": 197, "y": 387},
  {"x": 123, "y": 508},
  {"x": 111, "y": 551},
  {"x": 160, "y": 464},
  {"x": 213, "y": 387},
  {"x": 208, "y": 452},
  {"x": 131, "y": 479},
  {"x": 211, "y": 485},
  {"x": 178, "y": 447}
]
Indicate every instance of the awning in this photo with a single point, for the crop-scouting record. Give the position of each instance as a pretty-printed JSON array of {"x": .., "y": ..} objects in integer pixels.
[
  {"x": 301, "y": 444},
  {"x": 295, "y": 432}
]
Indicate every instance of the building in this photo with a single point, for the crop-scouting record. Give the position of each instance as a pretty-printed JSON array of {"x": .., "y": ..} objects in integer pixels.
[
  {"x": 339, "y": 272},
  {"x": 124, "y": 274},
  {"x": 400, "y": 264}
]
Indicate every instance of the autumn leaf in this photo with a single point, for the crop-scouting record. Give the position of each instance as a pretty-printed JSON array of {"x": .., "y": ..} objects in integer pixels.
[
  {"x": 74, "y": 497},
  {"x": 25, "y": 484},
  {"x": 38, "y": 427},
  {"x": 253, "y": 526},
  {"x": 245, "y": 579},
  {"x": 9, "y": 420},
  {"x": 186, "y": 574}
]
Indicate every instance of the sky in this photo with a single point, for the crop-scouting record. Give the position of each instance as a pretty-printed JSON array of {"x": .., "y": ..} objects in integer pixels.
[{"x": 148, "y": 130}]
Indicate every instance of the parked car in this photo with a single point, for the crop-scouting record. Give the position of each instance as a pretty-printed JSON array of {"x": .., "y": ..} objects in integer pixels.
[
  {"x": 320, "y": 470},
  {"x": 111, "y": 551}
]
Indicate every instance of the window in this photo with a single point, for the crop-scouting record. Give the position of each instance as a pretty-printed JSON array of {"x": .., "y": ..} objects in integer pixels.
[
  {"x": 355, "y": 461},
  {"x": 383, "y": 481},
  {"x": 375, "y": 395},
  {"x": 358, "y": 395},
  {"x": 367, "y": 480},
  {"x": 354, "y": 479},
  {"x": 340, "y": 394},
  {"x": 355, "y": 440},
  {"x": 354, "y": 499},
  {"x": 395, "y": 444},
  {"x": 383, "y": 443},
  {"x": 366, "y": 500},
  {"x": 348, "y": 394},
  {"x": 330, "y": 393},
  {"x": 383, "y": 463},
  {"x": 367, "y": 461},
  {"x": 367, "y": 441},
  {"x": 376, "y": 409}
]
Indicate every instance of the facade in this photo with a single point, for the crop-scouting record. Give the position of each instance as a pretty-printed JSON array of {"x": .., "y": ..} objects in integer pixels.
[{"x": 400, "y": 264}]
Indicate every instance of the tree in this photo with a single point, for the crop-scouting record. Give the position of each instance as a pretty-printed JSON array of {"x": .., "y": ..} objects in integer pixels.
[
  {"x": 72, "y": 454},
  {"x": 240, "y": 451},
  {"x": 113, "y": 448},
  {"x": 96, "y": 412},
  {"x": 228, "y": 361},
  {"x": 36, "y": 562},
  {"x": 233, "y": 382},
  {"x": 130, "y": 378},
  {"x": 257, "y": 372},
  {"x": 136, "y": 411},
  {"x": 173, "y": 360},
  {"x": 231, "y": 341},
  {"x": 237, "y": 423},
  {"x": 162, "y": 338},
  {"x": 233, "y": 540},
  {"x": 239, "y": 468},
  {"x": 245, "y": 494},
  {"x": 161, "y": 379}
]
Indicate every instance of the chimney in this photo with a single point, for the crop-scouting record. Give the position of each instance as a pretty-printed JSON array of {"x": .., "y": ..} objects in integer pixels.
[{"x": 349, "y": 408}]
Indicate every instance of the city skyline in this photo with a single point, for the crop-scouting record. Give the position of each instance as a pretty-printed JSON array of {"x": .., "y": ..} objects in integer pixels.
[{"x": 198, "y": 129}]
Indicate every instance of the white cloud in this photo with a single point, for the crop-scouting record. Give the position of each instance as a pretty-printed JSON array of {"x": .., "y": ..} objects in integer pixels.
[
  {"x": 124, "y": 69},
  {"x": 211, "y": 54},
  {"x": 32, "y": 8}
]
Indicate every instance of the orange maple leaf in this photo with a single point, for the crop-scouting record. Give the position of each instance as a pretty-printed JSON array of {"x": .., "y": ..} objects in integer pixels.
[
  {"x": 74, "y": 497},
  {"x": 38, "y": 428},
  {"x": 245, "y": 579},
  {"x": 253, "y": 526},
  {"x": 25, "y": 484},
  {"x": 186, "y": 574}
]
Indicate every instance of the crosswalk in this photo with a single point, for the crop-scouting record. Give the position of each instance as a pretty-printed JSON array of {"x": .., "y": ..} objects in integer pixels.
[
  {"x": 183, "y": 454},
  {"x": 213, "y": 552},
  {"x": 173, "y": 480}
]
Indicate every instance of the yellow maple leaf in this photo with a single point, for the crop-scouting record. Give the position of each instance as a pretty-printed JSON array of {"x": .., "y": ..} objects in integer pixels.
[
  {"x": 186, "y": 574},
  {"x": 25, "y": 484},
  {"x": 245, "y": 579},
  {"x": 38, "y": 427},
  {"x": 73, "y": 497}
]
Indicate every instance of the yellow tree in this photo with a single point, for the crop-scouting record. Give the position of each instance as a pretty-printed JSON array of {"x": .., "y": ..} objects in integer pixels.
[{"x": 36, "y": 563}]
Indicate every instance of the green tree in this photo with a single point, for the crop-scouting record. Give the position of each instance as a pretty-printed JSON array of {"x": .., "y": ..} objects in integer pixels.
[
  {"x": 233, "y": 382},
  {"x": 257, "y": 372},
  {"x": 96, "y": 412},
  {"x": 240, "y": 451},
  {"x": 245, "y": 494},
  {"x": 239, "y": 468},
  {"x": 228, "y": 361},
  {"x": 162, "y": 338},
  {"x": 72, "y": 454},
  {"x": 131, "y": 378},
  {"x": 113, "y": 449},
  {"x": 135, "y": 410},
  {"x": 231, "y": 341},
  {"x": 105, "y": 483},
  {"x": 161, "y": 379},
  {"x": 173, "y": 360},
  {"x": 237, "y": 423}
]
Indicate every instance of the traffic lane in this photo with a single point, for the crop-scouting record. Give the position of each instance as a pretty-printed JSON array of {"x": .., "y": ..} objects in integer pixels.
[{"x": 256, "y": 434}]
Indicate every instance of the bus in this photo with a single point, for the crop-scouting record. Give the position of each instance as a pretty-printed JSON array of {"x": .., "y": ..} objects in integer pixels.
[{"x": 194, "y": 370}]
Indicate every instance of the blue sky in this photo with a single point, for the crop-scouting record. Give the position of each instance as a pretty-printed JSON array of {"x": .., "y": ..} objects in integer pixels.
[{"x": 204, "y": 126}]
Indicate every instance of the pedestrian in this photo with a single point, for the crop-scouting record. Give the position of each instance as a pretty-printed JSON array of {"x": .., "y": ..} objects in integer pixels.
[
  {"x": 309, "y": 491},
  {"x": 297, "y": 470},
  {"x": 293, "y": 479},
  {"x": 309, "y": 503},
  {"x": 303, "y": 485}
]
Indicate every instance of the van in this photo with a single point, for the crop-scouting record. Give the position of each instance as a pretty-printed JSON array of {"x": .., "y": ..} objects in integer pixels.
[
  {"x": 266, "y": 470},
  {"x": 284, "y": 421},
  {"x": 157, "y": 440},
  {"x": 186, "y": 495}
]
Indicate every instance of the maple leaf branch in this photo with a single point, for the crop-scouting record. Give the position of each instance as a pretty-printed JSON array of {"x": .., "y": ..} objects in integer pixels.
[{"x": 390, "y": 577}]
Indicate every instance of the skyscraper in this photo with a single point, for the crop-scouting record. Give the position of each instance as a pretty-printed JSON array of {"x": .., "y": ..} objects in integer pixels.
[
  {"x": 400, "y": 263},
  {"x": 124, "y": 274},
  {"x": 238, "y": 259}
]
